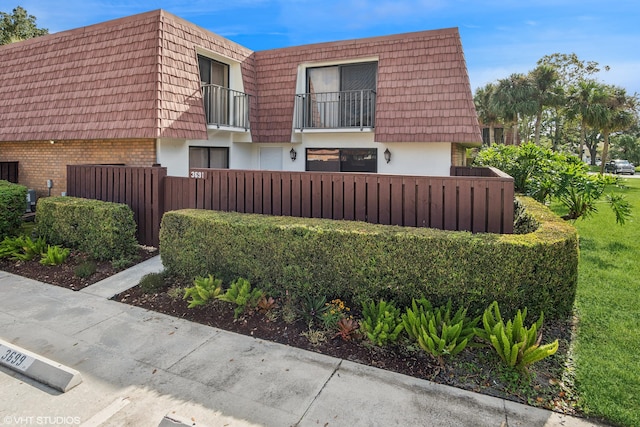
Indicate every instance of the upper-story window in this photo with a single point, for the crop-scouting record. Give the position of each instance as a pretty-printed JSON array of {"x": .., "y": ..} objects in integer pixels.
[
  {"x": 223, "y": 106},
  {"x": 213, "y": 72},
  {"x": 339, "y": 96}
]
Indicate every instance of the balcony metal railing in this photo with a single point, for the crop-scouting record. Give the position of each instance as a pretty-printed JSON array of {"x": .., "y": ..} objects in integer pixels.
[
  {"x": 336, "y": 110},
  {"x": 225, "y": 107}
]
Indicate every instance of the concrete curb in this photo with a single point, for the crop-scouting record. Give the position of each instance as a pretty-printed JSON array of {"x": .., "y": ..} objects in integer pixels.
[
  {"x": 173, "y": 420},
  {"x": 38, "y": 367}
]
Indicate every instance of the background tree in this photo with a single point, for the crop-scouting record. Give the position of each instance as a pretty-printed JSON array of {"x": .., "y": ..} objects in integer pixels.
[
  {"x": 18, "y": 26},
  {"x": 545, "y": 90},
  {"x": 488, "y": 114},
  {"x": 620, "y": 114},
  {"x": 586, "y": 103},
  {"x": 514, "y": 98},
  {"x": 626, "y": 147}
]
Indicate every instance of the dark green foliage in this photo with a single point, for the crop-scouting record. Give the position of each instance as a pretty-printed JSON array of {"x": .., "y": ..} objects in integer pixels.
[
  {"x": 544, "y": 175},
  {"x": 103, "y": 230},
  {"x": 55, "y": 255},
  {"x": 13, "y": 203},
  {"x": 381, "y": 322},
  {"x": 312, "y": 308},
  {"x": 85, "y": 269},
  {"x": 517, "y": 345},
  {"x": 523, "y": 222},
  {"x": 152, "y": 282},
  {"x": 362, "y": 262},
  {"x": 18, "y": 25}
]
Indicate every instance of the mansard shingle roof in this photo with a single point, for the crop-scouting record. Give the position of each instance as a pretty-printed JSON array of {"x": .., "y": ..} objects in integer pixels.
[
  {"x": 137, "y": 77},
  {"x": 423, "y": 92}
]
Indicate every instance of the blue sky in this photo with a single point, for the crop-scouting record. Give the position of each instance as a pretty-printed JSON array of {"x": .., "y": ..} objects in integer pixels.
[{"x": 499, "y": 37}]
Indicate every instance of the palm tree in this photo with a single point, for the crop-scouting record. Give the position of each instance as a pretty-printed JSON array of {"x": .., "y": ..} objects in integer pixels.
[
  {"x": 544, "y": 80},
  {"x": 514, "y": 97},
  {"x": 586, "y": 102},
  {"x": 620, "y": 115},
  {"x": 485, "y": 108}
]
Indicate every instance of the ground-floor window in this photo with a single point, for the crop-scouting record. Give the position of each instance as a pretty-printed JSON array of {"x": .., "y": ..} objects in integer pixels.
[
  {"x": 209, "y": 157},
  {"x": 342, "y": 159}
]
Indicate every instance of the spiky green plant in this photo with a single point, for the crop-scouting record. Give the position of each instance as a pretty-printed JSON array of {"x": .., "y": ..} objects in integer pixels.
[
  {"x": 517, "y": 345},
  {"x": 22, "y": 248},
  {"x": 381, "y": 322},
  {"x": 55, "y": 255},
  {"x": 437, "y": 331},
  {"x": 242, "y": 295},
  {"x": 203, "y": 290}
]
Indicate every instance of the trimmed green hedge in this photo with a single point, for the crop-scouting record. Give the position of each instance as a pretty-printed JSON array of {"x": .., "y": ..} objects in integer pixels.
[
  {"x": 360, "y": 261},
  {"x": 13, "y": 205},
  {"x": 104, "y": 230}
]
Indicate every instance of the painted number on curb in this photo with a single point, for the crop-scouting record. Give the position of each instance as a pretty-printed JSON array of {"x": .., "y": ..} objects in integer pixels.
[{"x": 14, "y": 359}]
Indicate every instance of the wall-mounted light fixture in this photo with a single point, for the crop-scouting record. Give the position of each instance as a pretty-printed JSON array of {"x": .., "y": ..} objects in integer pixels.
[
  {"x": 49, "y": 185},
  {"x": 52, "y": 142},
  {"x": 293, "y": 154},
  {"x": 387, "y": 155}
]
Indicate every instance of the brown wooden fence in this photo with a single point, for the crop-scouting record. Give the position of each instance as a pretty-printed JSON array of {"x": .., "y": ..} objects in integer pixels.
[
  {"x": 9, "y": 171},
  {"x": 140, "y": 188},
  {"x": 478, "y": 200}
]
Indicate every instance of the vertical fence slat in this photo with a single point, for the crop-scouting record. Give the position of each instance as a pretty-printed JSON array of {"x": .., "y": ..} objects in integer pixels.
[
  {"x": 384, "y": 200},
  {"x": 409, "y": 197},
  {"x": 464, "y": 204},
  {"x": 450, "y": 204},
  {"x": 348, "y": 195},
  {"x": 276, "y": 193},
  {"x": 436, "y": 202},
  {"x": 479, "y": 207},
  {"x": 422, "y": 202},
  {"x": 396, "y": 195},
  {"x": 360, "y": 194},
  {"x": 316, "y": 197},
  {"x": 494, "y": 211},
  {"x": 286, "y": 191},
  {"x": 372, "y": 199}
]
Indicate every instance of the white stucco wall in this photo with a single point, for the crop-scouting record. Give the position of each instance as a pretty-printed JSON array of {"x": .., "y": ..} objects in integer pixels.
[{"x": 411, "y": 158}]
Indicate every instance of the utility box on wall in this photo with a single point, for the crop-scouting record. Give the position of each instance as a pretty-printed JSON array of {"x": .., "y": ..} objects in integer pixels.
[{"x": 31, "y": 201}]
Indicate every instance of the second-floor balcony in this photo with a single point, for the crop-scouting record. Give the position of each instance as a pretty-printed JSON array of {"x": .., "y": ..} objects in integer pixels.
[
  {"x": 354, "y": 109},
  {"x": 225, "y": 107}
]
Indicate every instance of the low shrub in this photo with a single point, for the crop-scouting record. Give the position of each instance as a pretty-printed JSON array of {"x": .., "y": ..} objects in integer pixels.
[
  {"x": 13, "y": 202},
  {"x": 85, "y": 269},
  {"x": 103, "y": 230},
  {"x": 152, "y": 282},
  {"x": 363, "y": 262}
]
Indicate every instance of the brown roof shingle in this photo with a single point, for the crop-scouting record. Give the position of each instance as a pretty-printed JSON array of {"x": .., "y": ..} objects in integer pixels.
[
  {"x": 137, "y": 77},
  {"x": 422, "y": 78}
]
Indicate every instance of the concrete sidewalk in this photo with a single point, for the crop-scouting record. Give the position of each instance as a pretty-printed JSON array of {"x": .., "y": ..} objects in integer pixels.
[{"x": 139, "y": 365}]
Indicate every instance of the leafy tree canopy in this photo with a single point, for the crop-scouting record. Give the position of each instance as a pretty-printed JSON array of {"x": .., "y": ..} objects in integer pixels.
[{"x": 18, "y": 25}]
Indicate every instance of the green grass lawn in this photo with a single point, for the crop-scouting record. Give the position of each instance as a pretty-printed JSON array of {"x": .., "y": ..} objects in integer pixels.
[{"x": 607, "y": 346}]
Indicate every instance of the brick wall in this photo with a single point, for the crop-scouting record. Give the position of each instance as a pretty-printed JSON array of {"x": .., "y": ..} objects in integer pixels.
[
  {"x": 41, "y": 160},
  {"x": 458, "y": 155}
]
